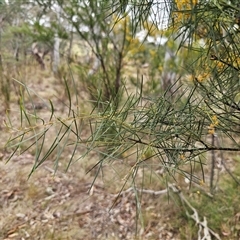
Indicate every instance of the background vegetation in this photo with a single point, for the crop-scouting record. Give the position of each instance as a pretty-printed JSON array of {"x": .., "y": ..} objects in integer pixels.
[{"x": 140, "y": 96}]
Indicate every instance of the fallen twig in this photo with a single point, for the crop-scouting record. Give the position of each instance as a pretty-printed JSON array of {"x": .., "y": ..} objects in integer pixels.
[
  {"x": 203, "y": 228},
  {"x": 142, "y": 191}
]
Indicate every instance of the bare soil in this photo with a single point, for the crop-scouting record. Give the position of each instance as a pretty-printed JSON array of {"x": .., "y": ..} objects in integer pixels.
[{"x": 65, "y": 205}]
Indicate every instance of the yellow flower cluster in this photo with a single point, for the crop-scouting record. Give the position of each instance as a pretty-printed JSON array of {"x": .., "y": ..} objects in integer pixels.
[
  {"x": 134, "y": 46},
  {"x": 182, "y": 157},
  {"x": 153, "y": 53},
  {"x": 201, "y": 77},
  {"x": 185, "y": 4},
  {"x": 160, "y": 68},
  {"x": 215, "y": 122},
  {"x": 201, "y": 182},
  {"x": 220, "y": 66},
  {"x": 232, "y": 60},
  {"x": 120, "y": 24},
  {"x": 182, "y": 7}
]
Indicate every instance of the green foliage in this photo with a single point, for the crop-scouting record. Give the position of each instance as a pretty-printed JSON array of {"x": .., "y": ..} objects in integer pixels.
[
  {"x": 42, "y": 34},
  {"x": 174, "y": 129},
  {"x": 174, "y": 125}
]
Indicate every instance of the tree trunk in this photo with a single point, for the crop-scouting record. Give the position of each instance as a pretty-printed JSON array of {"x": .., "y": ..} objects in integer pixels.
[{"x": 56, "y": 55}]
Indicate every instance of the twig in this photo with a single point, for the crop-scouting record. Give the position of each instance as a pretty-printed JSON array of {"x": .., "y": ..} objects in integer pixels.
[
  {"x": 155, "y": 193},
  {"x": 210, "y": 148},
  {"x": 212, "y": 166},
  {"x": 53, "y": 172},
  {"x": 215, "y": 58}
]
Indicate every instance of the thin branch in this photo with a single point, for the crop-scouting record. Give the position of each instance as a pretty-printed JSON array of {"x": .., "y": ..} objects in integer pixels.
[
  {"x": 187, "y": 149},
  {"x": 152, "y": 192},
  {"x": 213, "y": 165},
  {"x": 215, "y": 58}
]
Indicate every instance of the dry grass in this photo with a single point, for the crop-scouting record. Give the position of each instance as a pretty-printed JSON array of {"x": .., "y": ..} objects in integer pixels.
[{"x": 62, "y": 206}]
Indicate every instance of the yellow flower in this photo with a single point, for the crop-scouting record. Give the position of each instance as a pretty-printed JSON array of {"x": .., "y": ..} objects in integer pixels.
[
  {"x": 211, "y": 131},
  {"x": 214, "y": 120},
  {"x": 203, "y": 76},
  {"x": 211, "y": 128},
  {"x": 183, "y": 5},
  {"x": 160, "y": 68},
  {"x": 189, "y": 77},
  {"x": 153, "y": 53},
  {"x": 201, "y": 182},
  {"x": 186, "y": 4},
  {"x": 220, "y": 65},
  {"x": 182, "y": 157}
]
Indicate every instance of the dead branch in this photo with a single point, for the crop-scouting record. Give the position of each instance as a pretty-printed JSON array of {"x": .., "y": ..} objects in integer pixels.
[
  {"x": 155, "y": 193},
  {"x": 39, "y": 54},
  {"x": 204, "y": 232}
]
